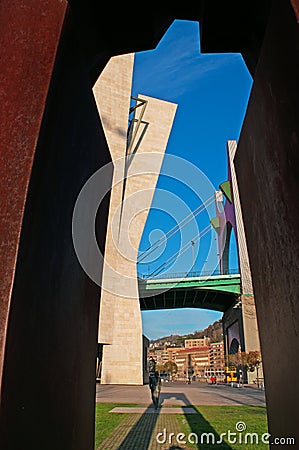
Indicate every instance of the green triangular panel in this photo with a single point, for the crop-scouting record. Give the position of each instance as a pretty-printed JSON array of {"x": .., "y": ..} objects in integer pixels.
[
  {"x": 215, "y": 223},
  {"x": 227, "y": 190}
]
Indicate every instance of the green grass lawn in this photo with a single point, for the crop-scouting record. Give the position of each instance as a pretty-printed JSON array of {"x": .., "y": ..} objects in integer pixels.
[
  {"x": 222, "y": 419},
  {"x": 105, "y": 422},
  {"x": 214, "y": 420}
]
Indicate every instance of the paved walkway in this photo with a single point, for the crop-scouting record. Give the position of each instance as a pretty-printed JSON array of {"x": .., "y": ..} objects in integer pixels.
[
  {"x": 139, "y": 432},
  {"x": 142, "y": 425},
  {"x": 181, "y": 394},
  {"x": 145, "y": 410}
]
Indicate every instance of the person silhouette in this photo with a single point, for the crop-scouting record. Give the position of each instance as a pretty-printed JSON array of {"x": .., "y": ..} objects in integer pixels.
[{"x": 155, "y": 387}]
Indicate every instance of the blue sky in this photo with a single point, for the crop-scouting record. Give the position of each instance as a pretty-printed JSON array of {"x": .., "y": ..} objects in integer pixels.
[{"x": 212, "y": 93}]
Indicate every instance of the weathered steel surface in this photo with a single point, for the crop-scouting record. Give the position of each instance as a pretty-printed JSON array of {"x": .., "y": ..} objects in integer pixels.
[{"x": 29, "y": 37}]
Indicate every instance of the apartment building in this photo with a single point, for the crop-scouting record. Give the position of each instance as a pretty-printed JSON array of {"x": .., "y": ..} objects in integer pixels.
[
  {"x": 200, "y": 361},
  {"x": 192, "y": 361},
  {"x": 161, "y": 356},
  {"x": 195, "y": 343},
  {"x": 217, "y": 361}
]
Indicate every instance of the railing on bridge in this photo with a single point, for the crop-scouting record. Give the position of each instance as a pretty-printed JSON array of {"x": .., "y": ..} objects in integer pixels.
[{"x": 192, "y": 274}]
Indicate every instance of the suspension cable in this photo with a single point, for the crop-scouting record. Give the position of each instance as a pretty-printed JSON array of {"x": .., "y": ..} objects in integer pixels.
[
  {"x": 181, "y": 251},
  {"x": 176, "y": 228}
]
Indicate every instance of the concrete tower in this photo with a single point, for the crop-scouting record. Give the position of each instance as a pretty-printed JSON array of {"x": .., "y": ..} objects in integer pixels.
[
  {"x": 239, "y": 321},
  {"x": 137, "y": 153}
]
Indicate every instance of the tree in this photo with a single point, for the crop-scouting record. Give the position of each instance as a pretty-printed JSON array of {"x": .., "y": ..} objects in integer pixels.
[
  {"x": 170, "y": 367},
  {"x": 245, "y": 360},
  {"x": 160, "y": 368},
  {"x": 254, "y": 360},
  {"x": 232, "y": 360}
]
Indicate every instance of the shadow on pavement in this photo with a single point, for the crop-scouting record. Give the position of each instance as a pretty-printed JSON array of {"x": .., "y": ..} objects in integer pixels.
[
  {"x": 141, "y": 433},
  {"x": 202, "y": 433}
]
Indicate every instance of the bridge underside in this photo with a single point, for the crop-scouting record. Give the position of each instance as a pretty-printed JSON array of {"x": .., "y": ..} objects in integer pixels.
[
  {"x": 217, "y": 293},
  {"x": 188, "y": 298}
]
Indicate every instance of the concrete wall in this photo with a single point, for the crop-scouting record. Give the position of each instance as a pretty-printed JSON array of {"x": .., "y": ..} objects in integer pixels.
[
  {"x": 244, "y": 312},
  {"x": 249, "y": 319},
  {"x": 134, "y": 181}
]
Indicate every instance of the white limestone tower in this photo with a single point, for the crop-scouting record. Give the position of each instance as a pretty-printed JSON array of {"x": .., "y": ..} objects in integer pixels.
[{"x": 137, "y": 157}]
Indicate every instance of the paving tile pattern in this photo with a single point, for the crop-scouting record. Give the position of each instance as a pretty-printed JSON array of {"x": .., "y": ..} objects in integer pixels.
[
  {"x": 139, "y": 432},
  {"x": 142, "y": 410}
]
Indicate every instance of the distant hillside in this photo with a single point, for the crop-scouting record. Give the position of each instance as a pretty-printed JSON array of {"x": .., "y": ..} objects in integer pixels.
[{"x": 214, "y": 332}]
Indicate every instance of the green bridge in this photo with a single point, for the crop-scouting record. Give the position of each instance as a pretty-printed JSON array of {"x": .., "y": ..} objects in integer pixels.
[{"x": 216, "y": 292}]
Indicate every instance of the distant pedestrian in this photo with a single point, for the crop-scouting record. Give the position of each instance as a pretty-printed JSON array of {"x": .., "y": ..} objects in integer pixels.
[
  {"x": 155, "y": 387},
  {"x": 240, "y": 379}
]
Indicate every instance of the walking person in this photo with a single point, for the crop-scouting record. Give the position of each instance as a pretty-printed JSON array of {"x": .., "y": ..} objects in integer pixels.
[{"x": 155, "y": 387}]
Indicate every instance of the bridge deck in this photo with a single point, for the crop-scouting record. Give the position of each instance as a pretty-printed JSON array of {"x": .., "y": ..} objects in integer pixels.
[{"x": 217, "y": 293}]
